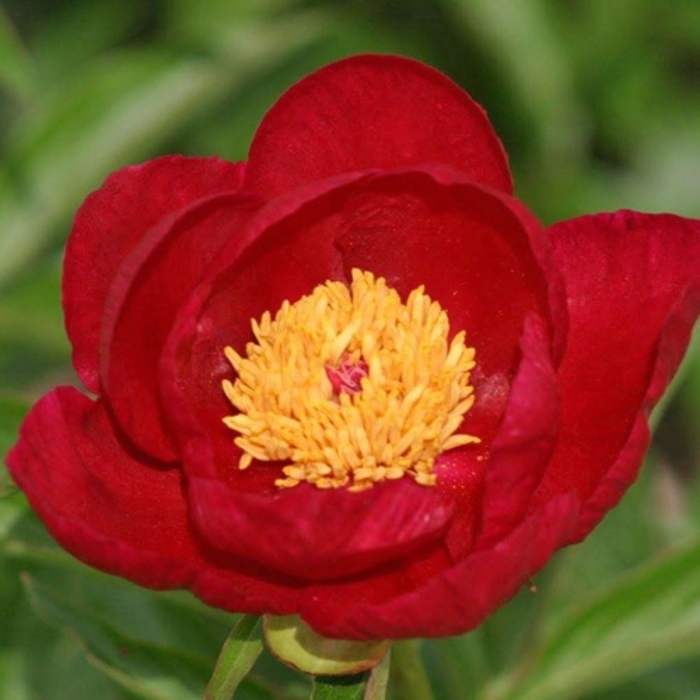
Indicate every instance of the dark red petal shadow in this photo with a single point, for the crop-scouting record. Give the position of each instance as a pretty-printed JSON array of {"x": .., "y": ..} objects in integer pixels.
[
  {"x": 115, "y": 511},
  {"x": 522, "y": 447},
  {"x": 372, "y": 112},
  {"x": 633, "y": 283},
  {"x": 312, "y": 534},
  {"x": 111, "y": 222},
  {"x": 152, "y": 284},
  {"x": 454, "y": 601}
]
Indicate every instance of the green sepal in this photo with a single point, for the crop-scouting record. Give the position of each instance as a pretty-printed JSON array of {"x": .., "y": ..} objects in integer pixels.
[
  {"x": 238, "y": 654},
  {"x": 295, "y": 644}
]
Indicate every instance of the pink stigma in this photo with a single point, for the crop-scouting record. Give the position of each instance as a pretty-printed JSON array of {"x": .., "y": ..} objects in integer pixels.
[{"x": 347, "y": 376}]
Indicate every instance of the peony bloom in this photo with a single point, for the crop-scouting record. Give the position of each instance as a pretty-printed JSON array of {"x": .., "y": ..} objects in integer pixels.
[{"x": 352, "y": 379}]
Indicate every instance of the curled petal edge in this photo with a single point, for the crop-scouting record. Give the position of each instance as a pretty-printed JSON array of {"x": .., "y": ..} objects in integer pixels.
[
  {"x": 669, "y": 354},
  {"x": 526, "y": 439},
  {"x": 460, "y": 598}
]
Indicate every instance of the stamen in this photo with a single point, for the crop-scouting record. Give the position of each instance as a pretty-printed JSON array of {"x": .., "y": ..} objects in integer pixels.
[{"x": 351, "y": 387}]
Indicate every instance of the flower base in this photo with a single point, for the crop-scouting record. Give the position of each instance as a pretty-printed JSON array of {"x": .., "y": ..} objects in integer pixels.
[{"x": 295, "y": 644}]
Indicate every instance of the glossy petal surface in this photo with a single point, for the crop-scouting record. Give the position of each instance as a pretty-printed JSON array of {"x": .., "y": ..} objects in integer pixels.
[{"x": 402, "y": 113}]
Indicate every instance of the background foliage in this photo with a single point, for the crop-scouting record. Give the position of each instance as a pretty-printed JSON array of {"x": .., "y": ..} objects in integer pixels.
[{"x": 599, "y": 107}]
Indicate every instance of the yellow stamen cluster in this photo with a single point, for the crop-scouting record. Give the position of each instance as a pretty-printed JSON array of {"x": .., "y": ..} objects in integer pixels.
[{"x": 405, "y": 414}]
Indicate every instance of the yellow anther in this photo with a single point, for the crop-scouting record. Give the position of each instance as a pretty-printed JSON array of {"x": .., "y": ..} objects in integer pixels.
[{"x": 351, "y": 387}]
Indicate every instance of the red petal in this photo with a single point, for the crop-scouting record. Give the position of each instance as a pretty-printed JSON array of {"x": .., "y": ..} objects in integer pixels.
[
  {"x": 524, "y": 443},
  {"x": 325, "y": 534},
  {"x": 372, "y": 112},
  {"x": 453, "y": 602},
  {"x": 109, "y": 508},
  {"x": 633, "y": 282},
  {"x": 478, "y": 252},
  {"x": 250, "y": 277},
  {"x": 111, "y": 223},
  {"x": 118, "y": 512},
  {"x": 154, "y": 281}
]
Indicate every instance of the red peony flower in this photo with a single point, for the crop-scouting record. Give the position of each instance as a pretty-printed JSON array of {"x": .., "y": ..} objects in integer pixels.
[{"x": 352, "y": 379}]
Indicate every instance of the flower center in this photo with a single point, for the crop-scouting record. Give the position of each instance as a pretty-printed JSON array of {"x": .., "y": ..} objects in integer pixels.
[
  {"x": 347, "y": 376},
  {"x": 351, "y": 387}
]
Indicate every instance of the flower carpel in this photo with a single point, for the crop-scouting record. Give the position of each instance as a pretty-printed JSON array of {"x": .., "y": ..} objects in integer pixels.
[
  {"x": 347, "y": 376},
  {"x": 393, "y": 399}
]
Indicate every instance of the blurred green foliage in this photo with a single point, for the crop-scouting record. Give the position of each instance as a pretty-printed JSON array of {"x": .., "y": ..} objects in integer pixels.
[{"x": 598, "y": 104}]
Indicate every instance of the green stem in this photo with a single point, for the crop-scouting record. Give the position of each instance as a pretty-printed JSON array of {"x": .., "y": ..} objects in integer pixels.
[
  {"x": 237, "y": 656},
  {"x": 340, "y": 687},
  {"x": 370, "y": 685},
  {"x": 379, "y": 680},
  {"x": 408, "y": 676}
]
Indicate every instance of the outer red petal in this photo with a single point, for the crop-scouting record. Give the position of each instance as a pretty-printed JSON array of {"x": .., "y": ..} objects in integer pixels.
[
  {"x": 118, "y": 512},
  {"x": 372, "y": 112},
  {"x": 110, "y": 224},
  {"x": 106, "y": 506},
  {"x": 458, "y": 599},
  {"x": 633, "y": 283},
  {"x": 309, "y": 534},
  {"x": 153, "y": 282}
]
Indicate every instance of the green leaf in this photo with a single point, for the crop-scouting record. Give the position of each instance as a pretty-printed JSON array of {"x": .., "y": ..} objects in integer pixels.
[
  {"x": 34, "y": 350},
  {"x": 679, "y": 682},
  {"x": 16, "y": 71},
  {"x": 12, "y": 411},
  {"x": 94, "y": 614},
  {"x": 123, "y": 106},
  {"x": 111, "y": 22},
  {"x": 98, "y": 617},
  {"x": 378, "y": 682},
  {"x": 239, "y": 653},
  {"x": 37, "y": 661},
  {"x": 103, "y": 118},
  {"x": 543, "y": 84},
  {"x": 340, "y": 687},
  {"x": 145, "y": 669},
  {"x": 644, "y": 621},
  {"x": 408, "y": 677}
]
